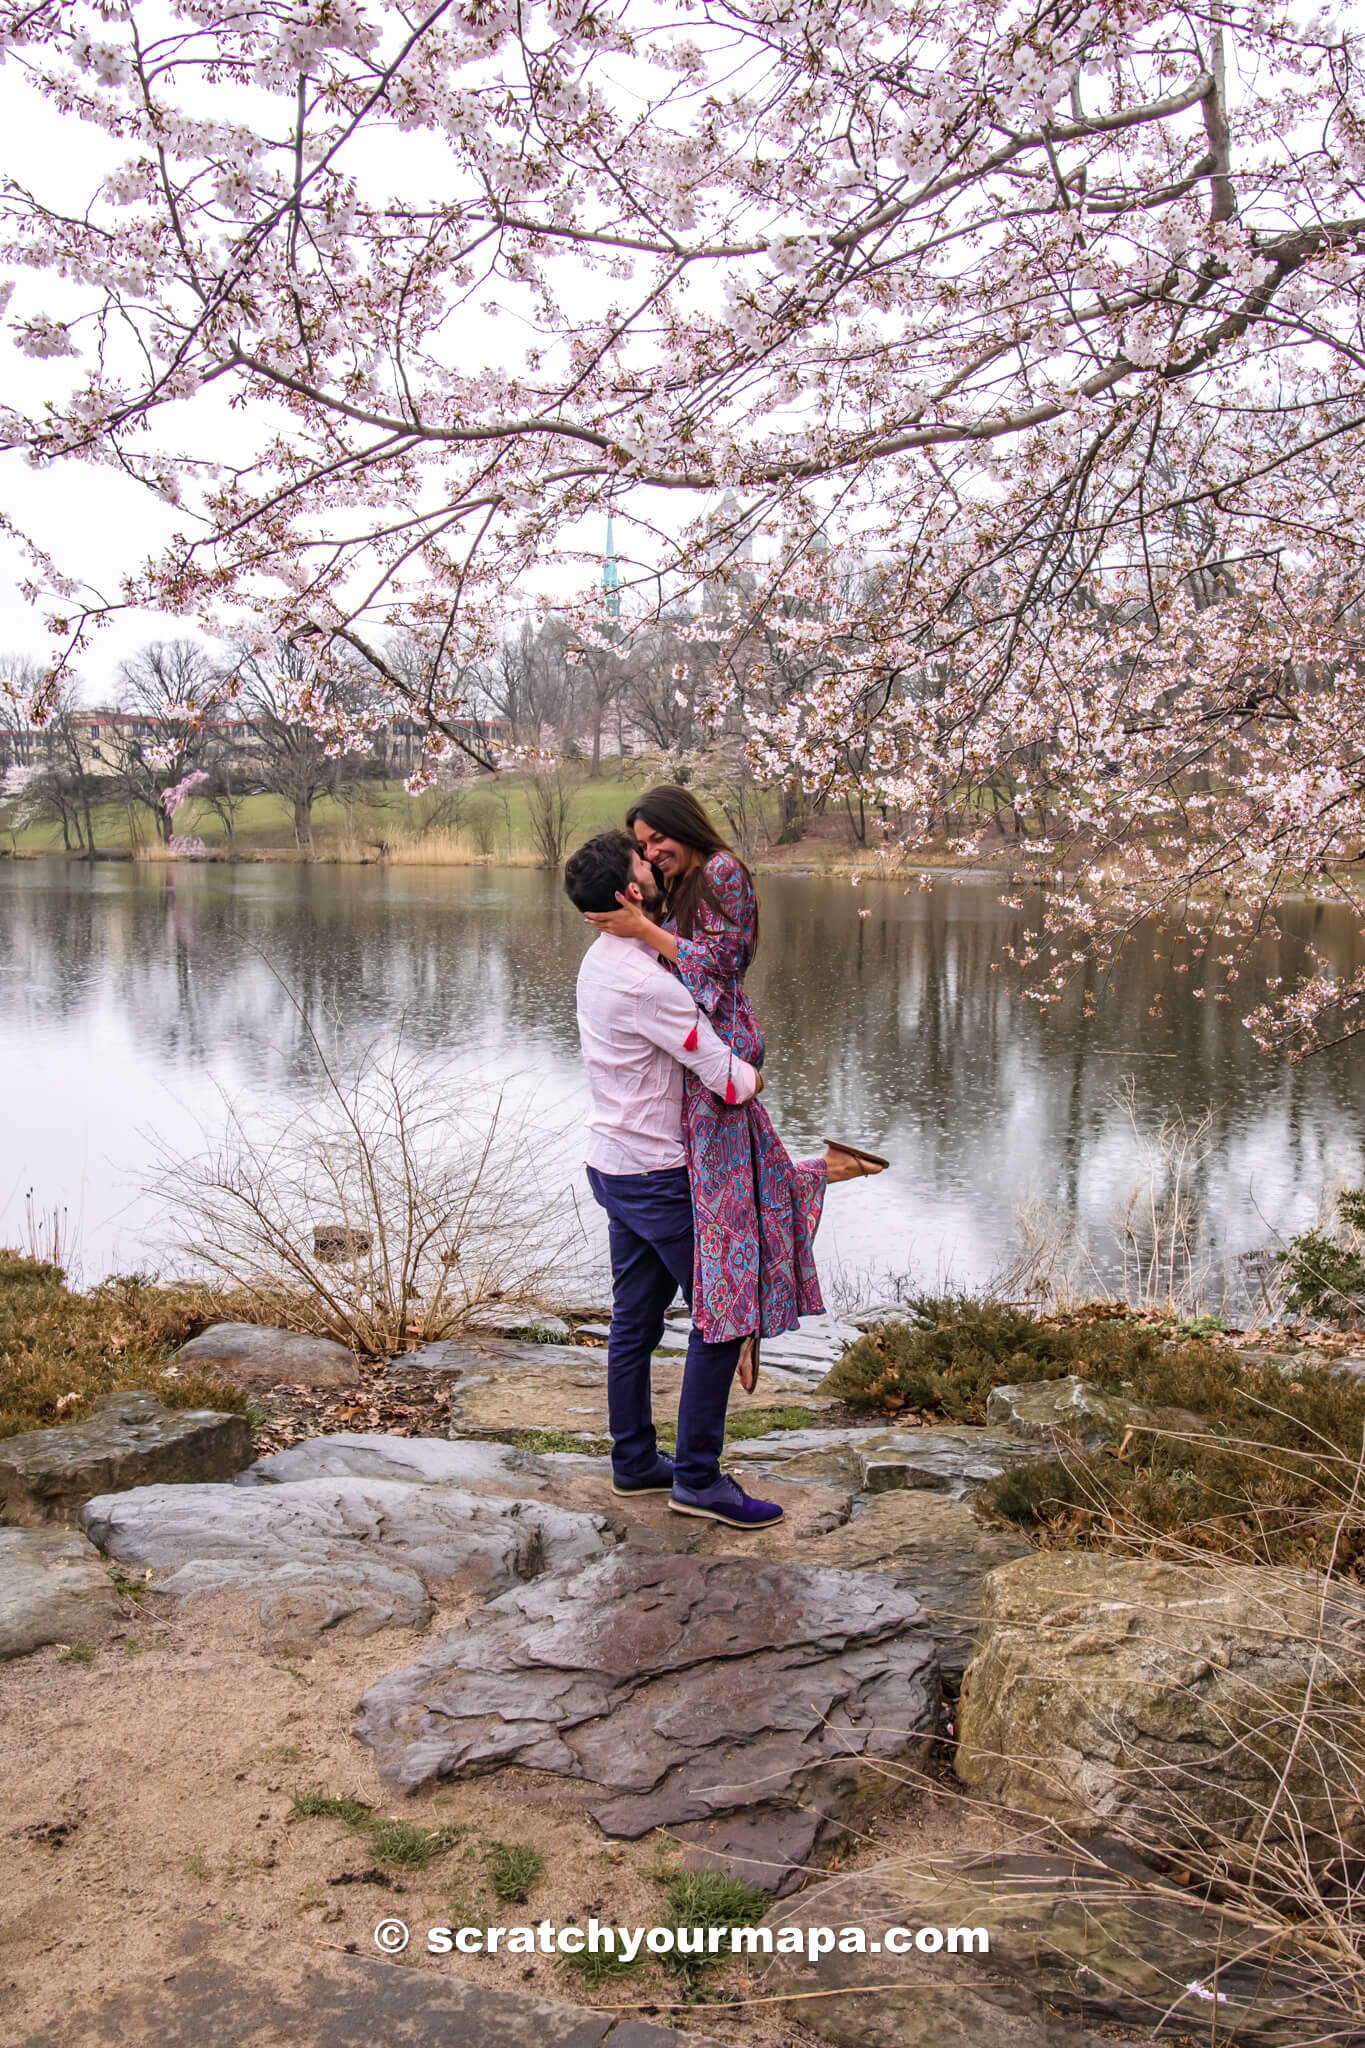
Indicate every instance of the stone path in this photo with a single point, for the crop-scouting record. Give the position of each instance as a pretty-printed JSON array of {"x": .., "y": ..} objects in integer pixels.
[
  {"x": 567, "y": 1479},
  {"x": 243, "y": 2001},
  {"x": 811, "y": 1350},
  {"x": 563, "y": 1387},
  {"x": 725, "y": 1699}
]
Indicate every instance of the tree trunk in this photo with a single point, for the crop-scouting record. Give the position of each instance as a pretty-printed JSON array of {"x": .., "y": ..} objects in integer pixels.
[{"x": 303, "y": 823}]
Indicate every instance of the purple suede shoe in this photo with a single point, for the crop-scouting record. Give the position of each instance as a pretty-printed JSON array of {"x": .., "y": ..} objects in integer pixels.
[
  {"x": 659, "y": 1478},
  {"x": 726, "y": 1501}
]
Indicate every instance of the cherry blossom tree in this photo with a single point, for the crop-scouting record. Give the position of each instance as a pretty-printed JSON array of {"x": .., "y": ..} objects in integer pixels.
[{"x": 1050, "y": 314}]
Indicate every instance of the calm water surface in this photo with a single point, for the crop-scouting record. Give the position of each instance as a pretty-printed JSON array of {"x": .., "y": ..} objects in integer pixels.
[{"x": 135, "y": 1001}]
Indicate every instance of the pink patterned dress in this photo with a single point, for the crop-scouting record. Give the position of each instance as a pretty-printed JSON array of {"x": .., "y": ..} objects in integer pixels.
[{"x": 755, "y": 1209}]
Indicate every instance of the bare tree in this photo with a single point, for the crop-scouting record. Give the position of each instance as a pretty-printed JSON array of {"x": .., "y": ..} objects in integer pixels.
[
  {"x": 551, "y": 802},
  {"x": 160, "y": 733},
  {"x": 529, "y": 682},
  {"x": 227, "y": 789},
  {"x": 291, "y": 755},
  {"x": 57, "y": 785}
]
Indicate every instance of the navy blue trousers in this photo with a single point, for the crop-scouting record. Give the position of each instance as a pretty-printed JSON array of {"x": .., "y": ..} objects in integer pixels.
[{"x": 649, "y": 1224}]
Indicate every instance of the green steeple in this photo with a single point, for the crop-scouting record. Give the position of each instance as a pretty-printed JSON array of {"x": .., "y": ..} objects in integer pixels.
[{"x": 611, "y": 575}]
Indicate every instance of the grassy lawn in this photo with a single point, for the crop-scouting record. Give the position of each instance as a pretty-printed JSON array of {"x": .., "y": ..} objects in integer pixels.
[{"x": 493, "y": 818}]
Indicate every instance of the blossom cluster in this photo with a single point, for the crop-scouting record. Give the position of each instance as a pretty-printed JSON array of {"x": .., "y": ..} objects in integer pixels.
[{"x": 1021, "y": 339}]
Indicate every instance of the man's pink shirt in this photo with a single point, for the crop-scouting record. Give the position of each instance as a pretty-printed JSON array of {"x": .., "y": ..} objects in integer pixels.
[{"x": 634, "y": 1019}]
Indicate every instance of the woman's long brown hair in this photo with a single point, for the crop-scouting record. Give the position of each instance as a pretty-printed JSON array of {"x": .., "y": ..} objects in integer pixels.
[{"x": 674, "y": 811}]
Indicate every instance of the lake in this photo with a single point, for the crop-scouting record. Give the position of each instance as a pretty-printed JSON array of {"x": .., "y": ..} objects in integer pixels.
[{"x": 138, "y": 1002}]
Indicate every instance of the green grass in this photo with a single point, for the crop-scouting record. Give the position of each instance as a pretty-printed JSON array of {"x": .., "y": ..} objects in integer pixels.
[
  {"x": 131, "y": 1589},
  {"x": 384, "y": 812},
  {"x": 705, "y": 1899},
  {"x": 514, "y": 1869},
  {"x": 77, "y": 1653},
  {"x": 403, "y": 1845},
  {"x": 593, "y": 1971},
  {"x": 313, "y": 1803},
  {"x": 749, "y": 1422},
  {"x": 552, "y": 1440}
]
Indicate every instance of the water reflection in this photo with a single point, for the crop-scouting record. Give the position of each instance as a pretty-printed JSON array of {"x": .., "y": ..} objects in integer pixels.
[{"x": 133, "y": 1000}]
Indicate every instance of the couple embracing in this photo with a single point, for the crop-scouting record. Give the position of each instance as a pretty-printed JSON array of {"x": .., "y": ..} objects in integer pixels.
[{"x": 699, "y": 1190}]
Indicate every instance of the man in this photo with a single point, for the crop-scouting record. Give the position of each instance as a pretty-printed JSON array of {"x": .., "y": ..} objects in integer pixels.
[{"x": 639, "y": 1028}]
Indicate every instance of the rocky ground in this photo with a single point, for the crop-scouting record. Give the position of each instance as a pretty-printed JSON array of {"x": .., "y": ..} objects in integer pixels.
[{"x": 406, "y": 1656}]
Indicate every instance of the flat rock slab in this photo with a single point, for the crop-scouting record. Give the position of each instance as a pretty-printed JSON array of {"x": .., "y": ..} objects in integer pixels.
[
  {"x": 318, "y": 1553},
  {"x": 567, "y": 1479},
  {"x": 54, "y": 1588},
  {"x": 934, "y": 1546},
  {"x": 47, "y": 1475},
  {"x": 727, "y": 1699},
  {"x": 951, "y": 1461},
  {"x": 550, "y": 1386},
  {"x": 245, "y": 2001},
  {"x": 1096, "y": 1937},
  {"x": 251, "y": 1355}
]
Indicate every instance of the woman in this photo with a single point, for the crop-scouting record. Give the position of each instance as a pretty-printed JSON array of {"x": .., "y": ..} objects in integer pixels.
[{"x": 756, "y": 1210}]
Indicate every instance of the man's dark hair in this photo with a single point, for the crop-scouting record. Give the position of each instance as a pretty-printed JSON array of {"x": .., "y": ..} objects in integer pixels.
[{"x": 594, "y": 874}]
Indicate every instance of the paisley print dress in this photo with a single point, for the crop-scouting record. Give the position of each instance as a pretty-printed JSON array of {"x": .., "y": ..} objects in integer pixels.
[{"x": 756, "y": 1210}]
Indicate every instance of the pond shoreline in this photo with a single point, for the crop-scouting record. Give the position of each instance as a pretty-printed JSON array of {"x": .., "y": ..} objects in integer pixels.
[{"x": 411, "y": 854}]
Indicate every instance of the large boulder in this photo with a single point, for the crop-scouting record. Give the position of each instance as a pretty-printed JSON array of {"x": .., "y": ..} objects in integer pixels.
[
  {"x": 370, "y": 1553},
  {"x": 47, "y": 1475},
  {"x": 730, "y": 1700},
  {"x": 1073, "y": 1411},
  {"x": 1097, "y": 1937},
  {"x": 1214, "y": 1704},
  {"x": 252, "y": 1355},
  {"x": 54, "y": 1588}
]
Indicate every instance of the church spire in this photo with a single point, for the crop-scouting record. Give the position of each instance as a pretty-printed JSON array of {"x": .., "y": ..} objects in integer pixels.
[{"x": 611, "y": 575}]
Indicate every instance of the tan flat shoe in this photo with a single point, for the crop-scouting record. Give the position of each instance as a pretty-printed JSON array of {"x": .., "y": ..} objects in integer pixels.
[{"x": 866, "y": 1160}]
